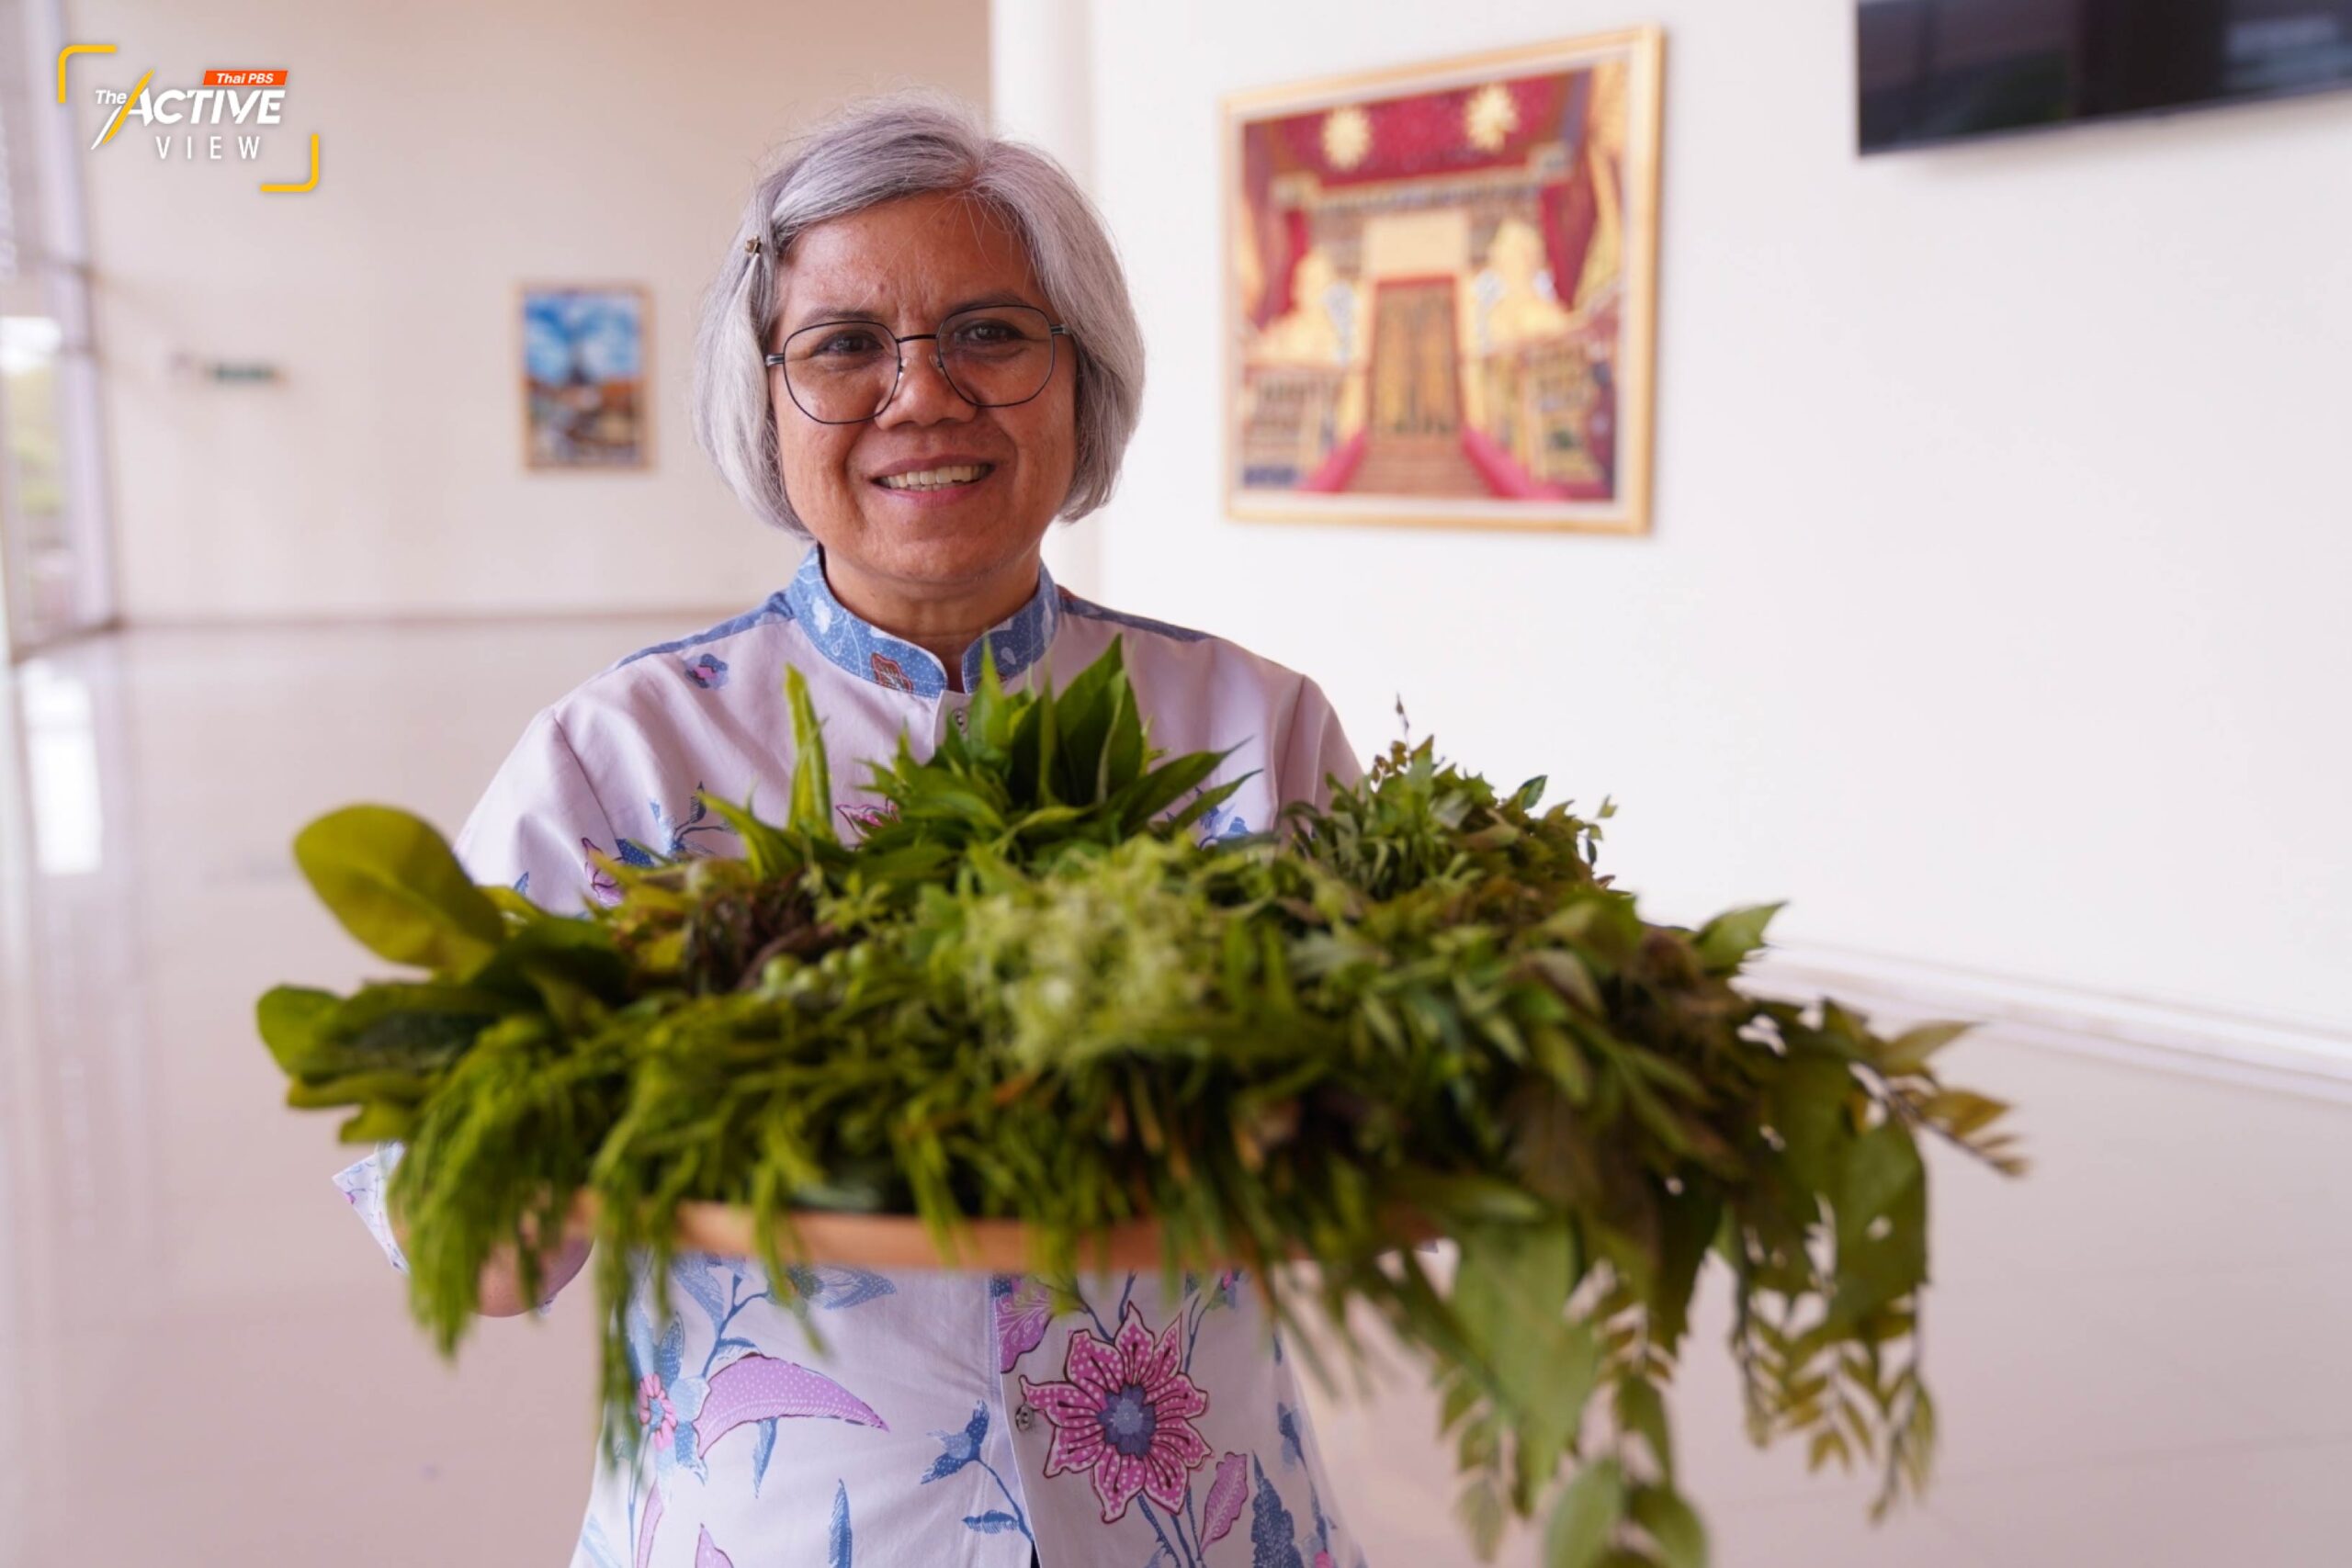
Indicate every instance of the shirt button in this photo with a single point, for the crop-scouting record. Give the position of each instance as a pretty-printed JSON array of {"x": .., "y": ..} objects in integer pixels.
[
  {"x": 956, "y": 717},
  {"x": 1024, "y": 1417}
]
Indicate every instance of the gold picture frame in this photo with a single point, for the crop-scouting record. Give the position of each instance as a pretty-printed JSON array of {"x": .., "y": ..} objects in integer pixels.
[{"x": 1399, "y": 345}]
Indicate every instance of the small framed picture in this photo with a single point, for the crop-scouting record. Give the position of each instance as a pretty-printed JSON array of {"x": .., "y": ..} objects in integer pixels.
[
  {"x": 1440, "y": 290},
  {"x": 584, "y": 358}
]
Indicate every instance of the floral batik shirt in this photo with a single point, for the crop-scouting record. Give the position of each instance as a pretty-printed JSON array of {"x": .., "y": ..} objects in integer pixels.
[{"x": 954, "y": 1420}]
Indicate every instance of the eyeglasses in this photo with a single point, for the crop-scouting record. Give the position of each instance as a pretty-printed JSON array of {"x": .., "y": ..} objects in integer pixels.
[{"x": 847, "y": 372}]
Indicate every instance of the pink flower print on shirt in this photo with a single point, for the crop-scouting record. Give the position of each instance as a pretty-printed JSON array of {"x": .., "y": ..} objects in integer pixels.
[
  {"x": 863, "y": 819},
  {"x": 1023, "y": 1308},
  {"x": 1227, "y": 1493},
  {"x": 755, "y": 1388},
  {"x": 1124, "y": 1414},
  {"x": 668, "y": 1397},
  {"x": 655, "y": 1413}
]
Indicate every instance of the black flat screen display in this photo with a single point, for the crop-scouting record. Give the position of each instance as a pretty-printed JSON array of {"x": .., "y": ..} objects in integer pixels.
[{"x": 1943, "y": 70}]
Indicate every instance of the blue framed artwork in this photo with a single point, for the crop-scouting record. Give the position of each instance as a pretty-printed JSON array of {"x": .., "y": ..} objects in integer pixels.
[{"x": 584, "y": 357}]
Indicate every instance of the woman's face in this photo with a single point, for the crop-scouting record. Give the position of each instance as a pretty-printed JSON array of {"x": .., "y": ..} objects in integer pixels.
[{"x": 907, "y": 263}]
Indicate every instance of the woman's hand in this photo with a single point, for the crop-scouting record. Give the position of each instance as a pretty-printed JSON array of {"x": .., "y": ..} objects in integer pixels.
[
  {"x": 501, "y": 1288},
  {"x": 502, "y": 1283}
]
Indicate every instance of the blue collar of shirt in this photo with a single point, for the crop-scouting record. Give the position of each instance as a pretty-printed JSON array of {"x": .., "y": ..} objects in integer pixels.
[{"x": 870, "y": 653}]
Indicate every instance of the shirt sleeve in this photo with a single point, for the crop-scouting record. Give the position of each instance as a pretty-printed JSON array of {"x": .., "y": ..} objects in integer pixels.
[
  {"x": 1317, "y": 751},
  {"x": 534, "y": 826},
  {"x": 362, "y": 1186},
  {"x": 527, "y": 832}
]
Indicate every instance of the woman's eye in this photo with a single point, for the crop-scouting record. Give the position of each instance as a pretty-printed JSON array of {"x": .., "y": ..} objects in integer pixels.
[
  {"x": 852, "y": 342},
  {"x": 987, "y": 334}
]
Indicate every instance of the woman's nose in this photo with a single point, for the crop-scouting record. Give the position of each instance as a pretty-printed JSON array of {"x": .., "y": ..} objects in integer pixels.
[{"x": 925, "y": 392}]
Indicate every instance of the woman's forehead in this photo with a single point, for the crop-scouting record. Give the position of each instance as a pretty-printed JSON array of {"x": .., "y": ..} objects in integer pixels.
[{"x": 921, "y": 254}]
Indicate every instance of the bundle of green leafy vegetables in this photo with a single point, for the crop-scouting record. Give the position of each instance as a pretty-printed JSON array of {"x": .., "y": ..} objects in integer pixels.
[{"x": 1027, "y": 992}]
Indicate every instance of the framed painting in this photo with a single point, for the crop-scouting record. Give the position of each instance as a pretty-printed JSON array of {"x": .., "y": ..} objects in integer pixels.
[
  {"x": 584, "y": 354},
  {"x": 1441, "y": 291}
]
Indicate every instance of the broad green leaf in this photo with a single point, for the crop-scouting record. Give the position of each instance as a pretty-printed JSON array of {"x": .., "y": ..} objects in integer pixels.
[
  {"x": 768, "y": 849},
  {"x": 1124, "y": 751},
  {"x": 1201, "y": 804},
  {"x": 988, "y": 716},
  {"x": 1450, "y": 1196},
  {"x": 1882, "y": 1167},
  {"x": 1881, "y": 1223},
  {"x": 1144, "y": 799},
  {"x": 1565, "y": 971},
  {"x": 1461, "y": 1397},
  {"x": 1688, "y": 1223},
  {"x": 1808, "y": 1109},
  {"x": 405, "y": 1027},
  {"x": 510, "y": 902},
  {"x": 1641, "y": 1409},
  {"x": 1085, "y": 722},
  {"x": 1586, "y": 1516},
  {"x": 1035, "y": 739},
  {"x": 1909, "y": 1052},
  {"x": 357, "y": 1089},
  {"x": 1511, "y": 1295},
  {"x": 1666, "y": 1514},
  {"x": 380, "y": 1121},
  {"x": 1681, "y": 1539},
  {"x": 1725, "y": 943},
  {"x": 555, "y": 956},
  {"x": 1961, "y": 1112},
  {"x": 290, "y": 1018},
  {"x": 394, "y": 885},
  {"x": 812, "y": 811},
  {"x": 1480, "y": 1510},
  {"x": 1556, "y": 1052}
]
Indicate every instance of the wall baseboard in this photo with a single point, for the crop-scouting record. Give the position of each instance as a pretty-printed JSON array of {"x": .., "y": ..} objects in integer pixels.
[{"x": 2291, "y": 1056}]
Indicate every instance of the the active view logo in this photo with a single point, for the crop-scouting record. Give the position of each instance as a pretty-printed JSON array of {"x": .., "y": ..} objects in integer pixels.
[{"x": 224, "y": 117}]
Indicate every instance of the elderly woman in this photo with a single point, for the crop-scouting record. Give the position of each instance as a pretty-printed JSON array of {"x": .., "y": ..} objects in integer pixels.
[{"x": 917, "y": 354}]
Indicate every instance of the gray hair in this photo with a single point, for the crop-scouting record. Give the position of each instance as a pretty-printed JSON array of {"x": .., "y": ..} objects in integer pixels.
[{"x": 879, "y": 149}]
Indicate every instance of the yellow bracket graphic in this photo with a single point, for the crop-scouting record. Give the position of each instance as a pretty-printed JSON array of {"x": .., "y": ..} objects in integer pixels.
[
  {"x": 68, "y": 52},
  {"x": 310, "y": 183}
]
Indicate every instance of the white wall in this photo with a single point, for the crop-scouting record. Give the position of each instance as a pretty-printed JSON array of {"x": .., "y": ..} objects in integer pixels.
[
  {"x": 464, "y": 148},
  {"x": 1996, "y": 612},
  {"x": 1041, "y": 84}
]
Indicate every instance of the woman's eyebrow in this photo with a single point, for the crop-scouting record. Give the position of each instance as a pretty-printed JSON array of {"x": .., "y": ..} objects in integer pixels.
[
  {"x": 819, "y": 313},
  {"x": 985, "y": 301}
]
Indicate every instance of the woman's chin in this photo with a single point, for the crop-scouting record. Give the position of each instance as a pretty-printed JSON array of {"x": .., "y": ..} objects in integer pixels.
[{"x": 933, "y": 548}]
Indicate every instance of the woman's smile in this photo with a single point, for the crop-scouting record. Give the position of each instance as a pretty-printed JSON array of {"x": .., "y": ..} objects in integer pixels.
[
  {"x": 941, "y": 479},
  {"x": 937, "y": 479}
]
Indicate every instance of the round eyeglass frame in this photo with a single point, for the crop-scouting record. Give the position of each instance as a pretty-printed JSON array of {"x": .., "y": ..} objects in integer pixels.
[{"x": 938, "y": 361}]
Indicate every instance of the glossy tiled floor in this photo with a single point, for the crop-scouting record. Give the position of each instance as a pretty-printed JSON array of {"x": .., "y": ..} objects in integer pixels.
[{"x": 2141, "y": 1351}]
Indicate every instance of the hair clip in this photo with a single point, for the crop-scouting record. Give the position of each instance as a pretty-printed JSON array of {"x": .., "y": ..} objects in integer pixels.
[{"x": 752, "y": 245}]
